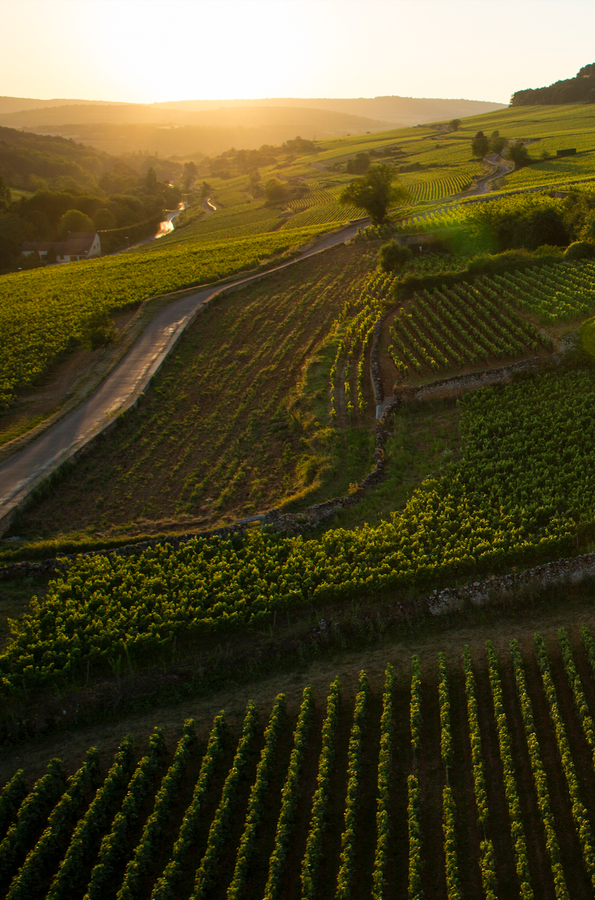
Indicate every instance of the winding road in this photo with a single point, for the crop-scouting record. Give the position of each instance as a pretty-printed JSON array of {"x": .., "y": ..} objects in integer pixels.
[{"x": 21, "y": 473}]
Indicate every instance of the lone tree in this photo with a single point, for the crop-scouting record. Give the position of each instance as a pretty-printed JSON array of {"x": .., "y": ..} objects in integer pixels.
[
  {"x": 375, "y": 192},
  {"x": 480, "y": 145},
  {"x": 519, "y": 154},
  {"x": 190, "y": 173},
  {"x": 454, "y": 124}
]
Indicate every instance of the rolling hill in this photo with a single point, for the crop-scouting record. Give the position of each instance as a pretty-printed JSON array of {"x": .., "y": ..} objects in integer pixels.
[{"x": 210, "y": 127}]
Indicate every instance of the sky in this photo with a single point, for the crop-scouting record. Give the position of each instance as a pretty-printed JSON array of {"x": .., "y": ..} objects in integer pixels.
[{"x": 146, "y": 51}]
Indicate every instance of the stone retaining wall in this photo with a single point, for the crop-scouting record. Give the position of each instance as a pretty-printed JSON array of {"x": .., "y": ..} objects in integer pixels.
[
  {"x": 507, "y": 587},
  {"x": 460, "y": 383}
]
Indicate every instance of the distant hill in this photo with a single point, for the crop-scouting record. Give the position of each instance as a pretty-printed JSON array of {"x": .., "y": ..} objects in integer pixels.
[
  {"x": 400, "y": 111},
  {"x": 580, "y": 89},
  {"x": 190, "y": 128},
  {"x": 129, "y": 128},
  {"x": 15, "y": 104},
  {"x": 30, "y": 161}
]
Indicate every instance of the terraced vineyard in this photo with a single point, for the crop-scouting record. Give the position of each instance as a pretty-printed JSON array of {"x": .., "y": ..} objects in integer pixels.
[
  {"x": 323, "y": 213},
  {"x": 241, "y": 220},
  {"x": 438, "y": 188},
  {"x": 522, "y": 489},
  {"x": 449, "y": 329},
  {"x": 314, "y": 198},
  {"x": 338, "y": 799}
]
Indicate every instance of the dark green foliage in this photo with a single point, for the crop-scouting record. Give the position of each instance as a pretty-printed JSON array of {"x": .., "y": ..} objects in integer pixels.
[
  {"x": 580, "y": 89},
  {"x": 482, "y": 264},
  {"x": 290, "y": 797},
  {"x": 519, "y": 155},
  {"x": 223, "y": 818},
  {"x": 276, "y": 192},
  {"x": 526, "y": 221},
  {"x": 4, "y": 193},
  {"x": 480, "y": 145},
  {"x": 359, "y": 165},
  {"x": 167, "y": 885},
  {"x": 257, "y": 802},
  {"x": 375, "y": 192},
  {"x": 10, "y": 800},
  {"x": 44, "y": 857},
  {"x": 32, "y": 814},
  {"x": 393, "y": 256},
  {"x": 354, "y": 766},
  {"x": 320, "y": 801},
  {"x": 580, "y": 250},
  {"x": 116, "y": 846},
  {"x": 152, "y": 835},
  {"x": 29, "y": 161},
  {"x": 385, "y": 762},
  {"x": 85, "y": 840}
]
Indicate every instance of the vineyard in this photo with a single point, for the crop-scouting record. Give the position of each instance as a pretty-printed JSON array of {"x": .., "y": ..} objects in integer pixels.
[
  {"x": 521, "y": 490},
  {"x": 240, "y": 220},
  {"x": 323, "y": 213},
  {"x": 46, "y": 311},
  {"x": 465, "y": 777},
  {"x": 434, "y": 189},
  {"x": 466, "y": 325},
  {"x": 434, "y": 221},
  {"x": 214, "y": 437},
  {"x": 559, "y": 293},
  {"x": 349, "y": 371}
]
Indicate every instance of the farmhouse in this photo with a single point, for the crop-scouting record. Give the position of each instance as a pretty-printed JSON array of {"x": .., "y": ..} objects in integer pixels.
[{"x": 78, "y": 245}]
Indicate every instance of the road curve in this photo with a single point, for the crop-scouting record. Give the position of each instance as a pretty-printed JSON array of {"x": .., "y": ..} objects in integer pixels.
[{"x": 20, "y": 474}]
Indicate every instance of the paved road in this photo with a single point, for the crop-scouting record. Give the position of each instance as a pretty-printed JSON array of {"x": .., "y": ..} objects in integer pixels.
[
  {"x": 22, "y": 472},
  {"x": 484, "y": 184}
]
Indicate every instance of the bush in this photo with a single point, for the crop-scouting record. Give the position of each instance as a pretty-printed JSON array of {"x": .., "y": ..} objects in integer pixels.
[
  {"x": 587, "y": 337},
  {"x": 499, "y": 262},
  {"x": 548, "y": 250},
  {"x": 393, "y": 256},
  {"x": 580, "y": 250}
]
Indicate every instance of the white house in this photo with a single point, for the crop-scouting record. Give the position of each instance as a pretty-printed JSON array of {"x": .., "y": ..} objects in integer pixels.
[{"x": 78, "y": 245}]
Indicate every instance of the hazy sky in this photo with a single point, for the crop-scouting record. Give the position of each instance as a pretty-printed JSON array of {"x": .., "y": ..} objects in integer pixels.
[{"x": 145, "y": 51}]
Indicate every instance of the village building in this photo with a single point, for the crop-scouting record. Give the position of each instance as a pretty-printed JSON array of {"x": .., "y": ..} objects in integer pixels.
[{"x": 78, "y": 245}]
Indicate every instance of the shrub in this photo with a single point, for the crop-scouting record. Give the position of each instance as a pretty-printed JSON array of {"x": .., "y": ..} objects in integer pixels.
[
  {"x": 393, "y": 256},
  {"x": 580, "y": 250}
]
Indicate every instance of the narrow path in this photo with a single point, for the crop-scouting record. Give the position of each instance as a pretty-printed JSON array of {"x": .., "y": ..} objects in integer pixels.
[
  {"x": 20, "y": 474},
  {"x": 483, "y": 185}
]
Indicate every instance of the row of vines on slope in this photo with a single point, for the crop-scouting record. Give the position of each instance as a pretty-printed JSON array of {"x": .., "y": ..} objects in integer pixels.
[{"x": 60, "y": 837}]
